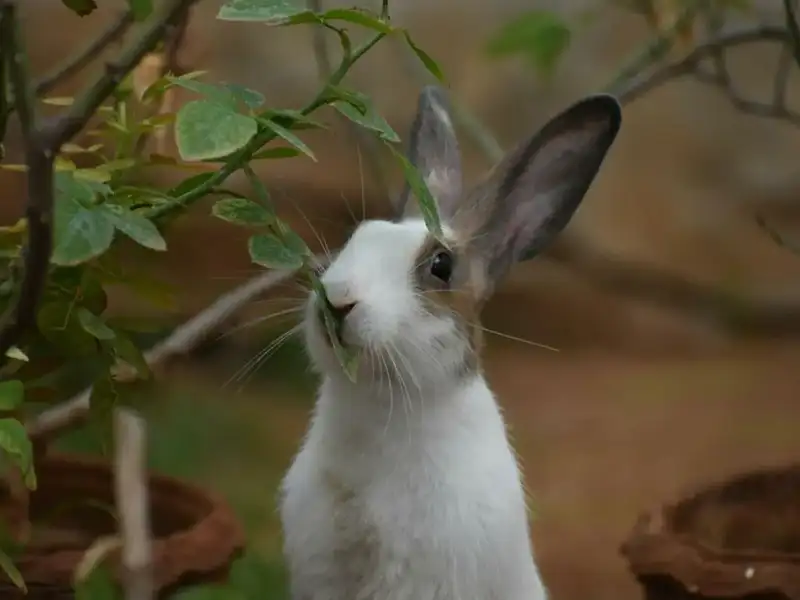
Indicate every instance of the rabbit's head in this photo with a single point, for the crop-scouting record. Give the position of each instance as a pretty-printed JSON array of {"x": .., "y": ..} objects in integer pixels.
[{"x": 409, "y": 303}]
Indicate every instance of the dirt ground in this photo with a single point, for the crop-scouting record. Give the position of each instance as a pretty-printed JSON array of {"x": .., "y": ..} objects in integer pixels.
[{"x": 601, "y": 438}]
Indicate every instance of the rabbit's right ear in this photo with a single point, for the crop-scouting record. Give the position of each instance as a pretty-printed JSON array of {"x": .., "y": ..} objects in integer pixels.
[{"x": 433, "y": 150}]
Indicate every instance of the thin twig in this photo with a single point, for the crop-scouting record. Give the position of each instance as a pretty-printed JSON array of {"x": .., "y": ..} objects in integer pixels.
[
  {"x": 130, "y": 479},
  {"x": 61, "y": 417},
  {"x": 689, "y": 66},
  {"x": 114, "y": 32},
  {"x": 70, "y": 123}
]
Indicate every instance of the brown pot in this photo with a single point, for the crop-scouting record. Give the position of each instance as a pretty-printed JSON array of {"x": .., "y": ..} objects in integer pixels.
[
  {"x": 195, "y": 535},
  {"x": 737, "y": 539}
]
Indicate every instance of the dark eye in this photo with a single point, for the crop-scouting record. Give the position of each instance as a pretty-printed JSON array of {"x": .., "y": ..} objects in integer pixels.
[{"x": 442, "y": 266}]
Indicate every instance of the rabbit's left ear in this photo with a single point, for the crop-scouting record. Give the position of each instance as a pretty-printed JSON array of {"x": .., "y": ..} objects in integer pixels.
[
  {"x": 433, "y": 150},
  {"x": 534, "y": 192}
]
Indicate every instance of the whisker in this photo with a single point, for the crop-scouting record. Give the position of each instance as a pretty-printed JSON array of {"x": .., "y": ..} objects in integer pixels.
[
  {"x": 514, "y": 338},
  {"x": 361, "y": 180},
  {"x": 349, "y": 208},
  {"x": 254, "y": 363},
  {"x": 257, "y": 320}
]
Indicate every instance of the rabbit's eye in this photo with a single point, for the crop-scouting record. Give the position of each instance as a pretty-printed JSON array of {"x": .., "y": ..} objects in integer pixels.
[{"x": 442, "y": 266}]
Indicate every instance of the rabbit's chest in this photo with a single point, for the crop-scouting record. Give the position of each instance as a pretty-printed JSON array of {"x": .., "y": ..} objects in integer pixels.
[{"x": 385, "y": 541}]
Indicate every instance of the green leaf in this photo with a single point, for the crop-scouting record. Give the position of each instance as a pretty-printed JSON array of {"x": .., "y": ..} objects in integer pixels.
[
  {"x": 7, "y": 565},
  {"x": 141, "y": 9},
  {"x": 540, "y": 35},
  {"x": 17, "y": 354},
  {"x": 206, "y": 130},
  {"x": 11, "y": 394},
  {"x": 289, "y": 137},
  {"x": 99, "y": 584},
  {"x": 94, "y": 325},
  {"x": 190, "y": 183},
  {"x": 250, "y": 98},
  {"x": 427, "y": 204},
  {"x": 81, "y": 230},
  {"x": 348, "y": 359},
  {"x": 258, "y": 187},
  {"x": 371, "y": 120},
  {"x": 125, "y": 350},
  {"x": 271, "y": 12},
  {"x": 359, "y": 17},
  {"x": 216, "y": 93},
  {"x": 137, "y": 227},
  {"x": 59, "y": 324},
  {"x": 15, "y": 443},
  {"x": 431, "y": 65},
  {"x": 291, "y": 119},
  {"x": 271, "y": 153},
  {"x": 242, "y": 212},
  {"x": 268, "y": 251},
  {"x": 295, "y": 243},
  {"x": 81, "y": 8}
]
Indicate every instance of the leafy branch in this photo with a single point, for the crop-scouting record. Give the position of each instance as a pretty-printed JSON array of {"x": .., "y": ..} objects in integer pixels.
[{"x": 42, "y": 143}]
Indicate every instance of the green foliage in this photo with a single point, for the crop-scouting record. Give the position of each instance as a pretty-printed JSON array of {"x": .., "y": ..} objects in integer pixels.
[
  {"x": 540, "y": 36},
  {"x": 17, "y": 447},
  {"x": 141, "y": 9},
  {"x": 11, "y": 394},
  {"x": 10, "y": 569},
  {"x": 206, "y": 129},
  {"x": 99, "y": 200}
]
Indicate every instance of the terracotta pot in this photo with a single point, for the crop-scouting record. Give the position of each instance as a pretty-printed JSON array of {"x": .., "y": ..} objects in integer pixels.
[
  {"x": 196, "y": 536},
  {"x": 737, "y": 539}
]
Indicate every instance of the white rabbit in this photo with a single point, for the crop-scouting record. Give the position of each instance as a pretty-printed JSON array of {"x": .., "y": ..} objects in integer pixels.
[{"x": 406, "y": 486}]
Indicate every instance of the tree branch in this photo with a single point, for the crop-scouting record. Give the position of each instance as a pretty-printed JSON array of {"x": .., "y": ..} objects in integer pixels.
[
  {"x": 39, "y": 208},
  {"x": 59, "y": 418},
  {"x": 70, "y": 124},
  {"x": 85, "y": 56},
  {"x": 42, "y": 143},
  {"x": 631, "y": 90},
  {"x": 130, "y": 479}
]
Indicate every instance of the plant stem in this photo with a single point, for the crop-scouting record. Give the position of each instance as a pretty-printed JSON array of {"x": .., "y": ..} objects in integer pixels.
[{"x": 263, "y": 137}]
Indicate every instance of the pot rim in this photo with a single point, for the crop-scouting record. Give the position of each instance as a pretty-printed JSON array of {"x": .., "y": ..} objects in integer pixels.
[
  {"x": 208, "y": 545},
  {"x": 653, "y": 549}
]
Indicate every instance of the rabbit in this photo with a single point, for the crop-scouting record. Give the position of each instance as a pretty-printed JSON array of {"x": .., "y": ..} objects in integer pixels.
[{"x": 406, "y": 486}]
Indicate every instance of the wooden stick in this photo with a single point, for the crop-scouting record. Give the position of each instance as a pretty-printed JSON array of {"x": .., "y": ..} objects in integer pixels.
[{"x": 130, "y": 478}]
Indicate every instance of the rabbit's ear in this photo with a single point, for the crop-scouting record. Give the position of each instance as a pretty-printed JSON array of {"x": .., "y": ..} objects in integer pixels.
[
  {"x": 533, "y": 193},
  {"x": 433, "y": 150}
]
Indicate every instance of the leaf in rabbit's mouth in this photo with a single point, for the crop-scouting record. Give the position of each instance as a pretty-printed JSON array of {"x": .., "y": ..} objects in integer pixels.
[{"x": 347, "y": 356}]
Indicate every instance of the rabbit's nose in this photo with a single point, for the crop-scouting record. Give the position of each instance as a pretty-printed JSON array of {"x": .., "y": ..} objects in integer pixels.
[{"x": 340, "y": 311}]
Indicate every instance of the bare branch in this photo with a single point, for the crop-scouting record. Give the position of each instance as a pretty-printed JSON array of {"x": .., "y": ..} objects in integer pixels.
[
  {"x": 186, "y": 337},
  {"x": 631, "y": 90},
  {"x": 116, "y": 30},
  {"x": 130, "y": 479},
  {"x": 70, "y": 124},
  {"x": 39, "y": 208}
]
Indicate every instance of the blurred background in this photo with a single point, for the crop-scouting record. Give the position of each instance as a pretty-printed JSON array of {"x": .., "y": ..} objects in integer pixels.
[{"x": 675, "y": 315}]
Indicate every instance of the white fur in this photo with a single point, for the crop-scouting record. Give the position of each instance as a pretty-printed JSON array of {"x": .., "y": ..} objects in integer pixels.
[{"x": 406, "y": 487}]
